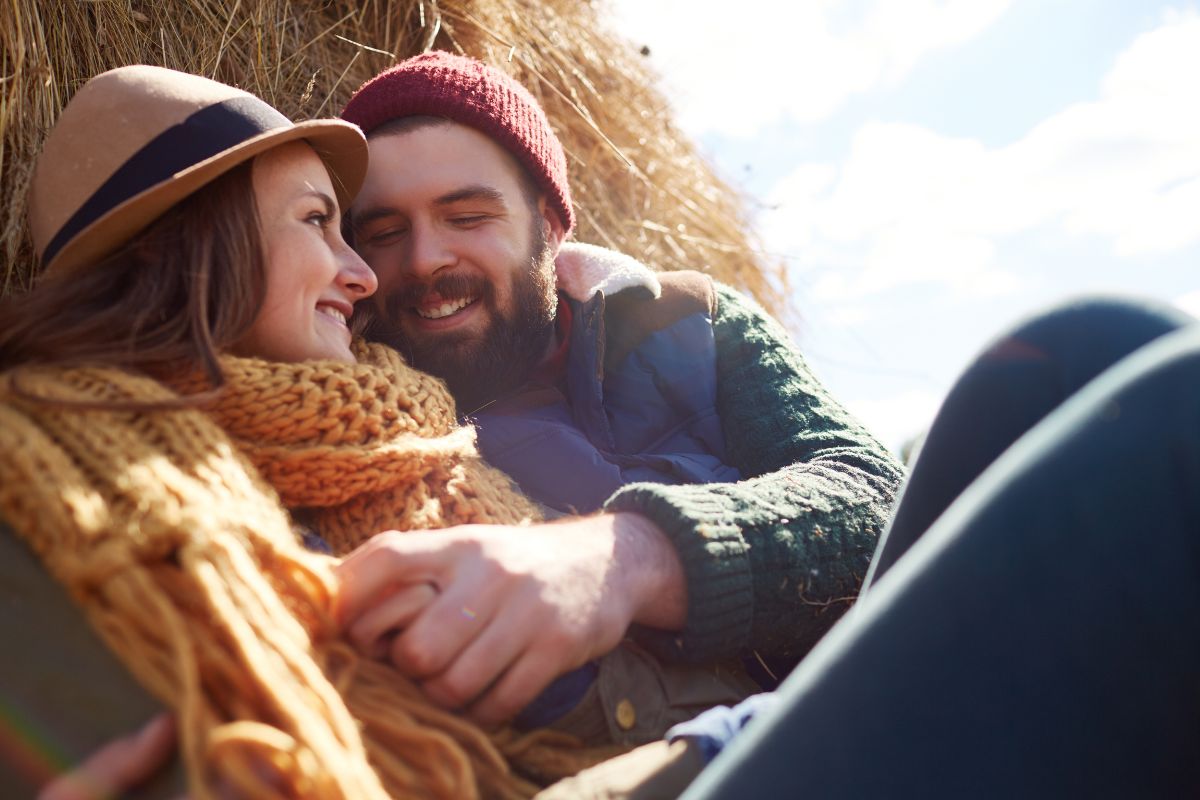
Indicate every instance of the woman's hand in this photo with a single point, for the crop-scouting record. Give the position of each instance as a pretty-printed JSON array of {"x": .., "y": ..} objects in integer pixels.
[{"x": 118, "y": 766}]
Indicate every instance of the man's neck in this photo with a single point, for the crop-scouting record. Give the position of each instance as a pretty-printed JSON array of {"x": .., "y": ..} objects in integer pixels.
[{"x": 554, "y": 359}]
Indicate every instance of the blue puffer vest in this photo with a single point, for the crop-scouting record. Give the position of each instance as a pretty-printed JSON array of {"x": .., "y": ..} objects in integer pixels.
[{"x": 639, "y": 401}]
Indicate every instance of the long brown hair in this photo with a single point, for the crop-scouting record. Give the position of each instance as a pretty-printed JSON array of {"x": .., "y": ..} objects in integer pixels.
[{"x": 173, "y": 297}]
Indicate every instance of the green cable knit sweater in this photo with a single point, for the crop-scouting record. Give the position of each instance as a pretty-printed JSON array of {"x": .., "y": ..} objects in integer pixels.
[{"x": 772, "y": 561}]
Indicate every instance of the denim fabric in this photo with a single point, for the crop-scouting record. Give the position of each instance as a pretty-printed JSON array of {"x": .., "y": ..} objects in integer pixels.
[
  {"x": 717, "y": 727},
  {"x": 1039, "y": 639}
]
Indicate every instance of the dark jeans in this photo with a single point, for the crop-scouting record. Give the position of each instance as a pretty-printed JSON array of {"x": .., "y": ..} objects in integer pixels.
[{"x": 1041, "y": 637}]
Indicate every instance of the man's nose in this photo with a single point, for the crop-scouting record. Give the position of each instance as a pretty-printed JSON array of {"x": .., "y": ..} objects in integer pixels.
[{"x": 428, "y": 252}]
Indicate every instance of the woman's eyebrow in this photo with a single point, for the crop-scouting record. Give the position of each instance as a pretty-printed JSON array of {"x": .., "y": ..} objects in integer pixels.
[{"x": 330, "y": 205}]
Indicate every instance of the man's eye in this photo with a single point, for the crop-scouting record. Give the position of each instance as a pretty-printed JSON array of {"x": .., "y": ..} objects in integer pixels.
[
  {"x": 469, "y": 219},
  {"x": 386, "y": 236}
]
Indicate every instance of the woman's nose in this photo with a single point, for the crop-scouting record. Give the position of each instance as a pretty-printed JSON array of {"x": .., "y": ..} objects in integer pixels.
[{"x": 355, "y": 276}]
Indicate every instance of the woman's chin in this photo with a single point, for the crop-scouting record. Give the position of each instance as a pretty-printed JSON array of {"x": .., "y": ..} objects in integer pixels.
[
  {"x": 318, "y": 351},
  {"x": 340, "y": 352}
]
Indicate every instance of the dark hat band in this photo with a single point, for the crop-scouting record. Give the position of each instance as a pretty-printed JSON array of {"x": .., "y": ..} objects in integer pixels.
[{"x": 209, "y": 132}]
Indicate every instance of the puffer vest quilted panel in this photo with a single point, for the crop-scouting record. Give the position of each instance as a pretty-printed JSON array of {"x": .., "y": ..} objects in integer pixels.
[{"x": 639, "y": 402}]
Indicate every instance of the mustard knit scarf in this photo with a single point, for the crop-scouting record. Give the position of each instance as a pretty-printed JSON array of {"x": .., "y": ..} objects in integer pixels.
[
  {"x": 184, "y": 560},
  {"x": 361, "y": 448}
]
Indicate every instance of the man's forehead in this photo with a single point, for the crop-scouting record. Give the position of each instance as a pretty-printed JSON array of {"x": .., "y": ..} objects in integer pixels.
[{"x": 439, "y": 157}]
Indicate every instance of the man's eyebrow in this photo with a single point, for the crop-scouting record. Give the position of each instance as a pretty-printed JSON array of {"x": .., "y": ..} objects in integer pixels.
[
  {"x": 361, "y": 219},
  {"x": 367, "y": 216},
  {"x": 474, "y": 192}
]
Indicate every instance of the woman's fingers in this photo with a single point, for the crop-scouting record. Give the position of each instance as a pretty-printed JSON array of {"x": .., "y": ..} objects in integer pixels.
[{"x": 118, "y": 766}]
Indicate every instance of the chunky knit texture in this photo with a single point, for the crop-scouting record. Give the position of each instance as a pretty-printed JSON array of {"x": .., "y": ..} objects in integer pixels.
[
  {"x": 441, "y": 84},
  {"x": 185, "y": 562},
  {"x": 772, "y": 561},
  {"x": 361, "y": 447}
]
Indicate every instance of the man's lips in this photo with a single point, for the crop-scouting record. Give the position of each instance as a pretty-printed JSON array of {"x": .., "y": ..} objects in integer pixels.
[
  {"x": 436, "y": 315},
  {"x": 440, "y": 309},
  {"x": 450, "y": 301}
]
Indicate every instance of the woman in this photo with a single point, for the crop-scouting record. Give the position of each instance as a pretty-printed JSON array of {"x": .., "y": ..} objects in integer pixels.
[
  {"x": 204, "y": 278},
  {"x": 185, "y": 226}
]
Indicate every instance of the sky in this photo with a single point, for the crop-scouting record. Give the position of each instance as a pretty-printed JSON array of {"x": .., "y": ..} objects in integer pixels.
[{"x": 934, "y": 171}]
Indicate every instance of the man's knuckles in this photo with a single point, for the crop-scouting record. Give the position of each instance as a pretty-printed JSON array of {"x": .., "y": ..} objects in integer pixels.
[
  {"x": 455, "y": 691},
  {"x": 419, "y": 656}
]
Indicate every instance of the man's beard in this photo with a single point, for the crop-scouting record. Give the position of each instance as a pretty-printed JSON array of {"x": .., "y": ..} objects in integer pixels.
[{"x": 480, "y": 368}]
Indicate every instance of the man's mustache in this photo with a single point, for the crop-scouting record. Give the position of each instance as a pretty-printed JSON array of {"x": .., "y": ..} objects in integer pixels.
[{"x": 451, "y": 286}]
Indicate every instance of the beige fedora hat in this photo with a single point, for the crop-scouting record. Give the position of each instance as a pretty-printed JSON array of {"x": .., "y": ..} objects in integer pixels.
[{"x": 134, "y": 141}]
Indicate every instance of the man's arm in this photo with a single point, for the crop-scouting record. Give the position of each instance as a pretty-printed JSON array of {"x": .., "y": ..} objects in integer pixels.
[
  {"x": 770, "y": 562},
  {"x": 486, "y": 616},
  {"x": 762, "y": 564}
]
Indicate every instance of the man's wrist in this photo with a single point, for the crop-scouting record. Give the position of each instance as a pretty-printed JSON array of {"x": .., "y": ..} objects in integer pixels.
[{"x": 652, "y": 571}]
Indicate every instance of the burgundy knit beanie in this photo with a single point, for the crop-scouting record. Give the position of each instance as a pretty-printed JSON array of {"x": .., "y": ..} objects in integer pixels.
[{"x": 441, "y": 84}]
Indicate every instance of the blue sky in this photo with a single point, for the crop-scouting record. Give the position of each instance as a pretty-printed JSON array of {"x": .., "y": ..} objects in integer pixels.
[{"x": 932, "y": 171}]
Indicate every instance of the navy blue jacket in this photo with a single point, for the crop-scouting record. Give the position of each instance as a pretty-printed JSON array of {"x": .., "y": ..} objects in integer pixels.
[{"x": 638, "y": 401}]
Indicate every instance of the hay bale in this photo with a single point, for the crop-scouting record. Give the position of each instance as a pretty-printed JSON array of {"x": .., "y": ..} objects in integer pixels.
[{"x": 639, "y": 186}]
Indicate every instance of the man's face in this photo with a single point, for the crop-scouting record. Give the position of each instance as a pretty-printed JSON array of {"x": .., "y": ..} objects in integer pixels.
[{"x": 464, "y": 258}]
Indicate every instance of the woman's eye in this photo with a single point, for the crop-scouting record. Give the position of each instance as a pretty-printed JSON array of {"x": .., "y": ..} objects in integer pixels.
[{"x": 320, "y": 219}]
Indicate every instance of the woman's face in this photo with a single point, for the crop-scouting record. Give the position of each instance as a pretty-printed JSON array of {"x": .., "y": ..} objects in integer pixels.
[{"x": 313, "y": 277}]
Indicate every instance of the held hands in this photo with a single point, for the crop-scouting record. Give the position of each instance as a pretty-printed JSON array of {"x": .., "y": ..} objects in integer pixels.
[{"x": 486, "y": 616}]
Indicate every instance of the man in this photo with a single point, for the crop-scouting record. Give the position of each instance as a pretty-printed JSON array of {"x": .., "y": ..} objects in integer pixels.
[{"x": 736, "y": 505}]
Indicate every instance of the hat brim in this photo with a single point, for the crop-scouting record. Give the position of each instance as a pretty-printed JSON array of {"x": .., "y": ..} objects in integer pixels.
[{"x": 340, "y": 145}]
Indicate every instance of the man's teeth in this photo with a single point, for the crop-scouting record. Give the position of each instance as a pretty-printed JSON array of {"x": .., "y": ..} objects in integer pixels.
[
  {"x": 333, "y": 312},
  {"x": 445, "y": 309}
]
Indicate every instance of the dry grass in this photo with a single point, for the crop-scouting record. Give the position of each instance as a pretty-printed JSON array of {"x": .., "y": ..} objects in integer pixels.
[{"x": 638, "y": 185}]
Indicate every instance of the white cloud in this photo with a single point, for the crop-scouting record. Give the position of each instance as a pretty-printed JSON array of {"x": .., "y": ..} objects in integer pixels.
[
  {"x": 909, "y": 205},
  {"x": 898, "y": 418},
  {"x": 1190, "y": 303},
  {"x": 808, "y": 57}
]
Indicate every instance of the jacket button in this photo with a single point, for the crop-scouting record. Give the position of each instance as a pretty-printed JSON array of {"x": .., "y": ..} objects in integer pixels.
[{"x": 626, "y": 715}]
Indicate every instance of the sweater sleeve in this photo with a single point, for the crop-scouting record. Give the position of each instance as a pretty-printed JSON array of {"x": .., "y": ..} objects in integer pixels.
[{"x": 771, "y": 561}]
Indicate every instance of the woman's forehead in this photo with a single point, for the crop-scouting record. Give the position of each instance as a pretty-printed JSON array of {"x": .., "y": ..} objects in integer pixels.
[{"x": 290, "y": 168}]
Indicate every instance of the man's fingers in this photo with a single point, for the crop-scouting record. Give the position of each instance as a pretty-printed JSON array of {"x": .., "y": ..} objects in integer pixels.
[
  {"x": 476, "y": 667},
  {"x": 443, "y": 630},
  {"x": 118, "y": 766},
  {"x": 517, "y": 688},
  {"x": 380, "y": 564},
  {"x": 372, "y": 632}
]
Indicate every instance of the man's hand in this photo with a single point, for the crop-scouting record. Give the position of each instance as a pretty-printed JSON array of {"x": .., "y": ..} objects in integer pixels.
[{"x": 486, "y": 615}]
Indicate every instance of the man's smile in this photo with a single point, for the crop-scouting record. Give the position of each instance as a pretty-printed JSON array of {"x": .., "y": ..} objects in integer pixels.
[
  {"x": 436, "y": 312},
  {"x": 444, "y": 308}
]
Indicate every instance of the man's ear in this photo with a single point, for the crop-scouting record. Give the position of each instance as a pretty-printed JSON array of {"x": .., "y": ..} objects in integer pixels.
[{"x": 555, "y": 234}]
